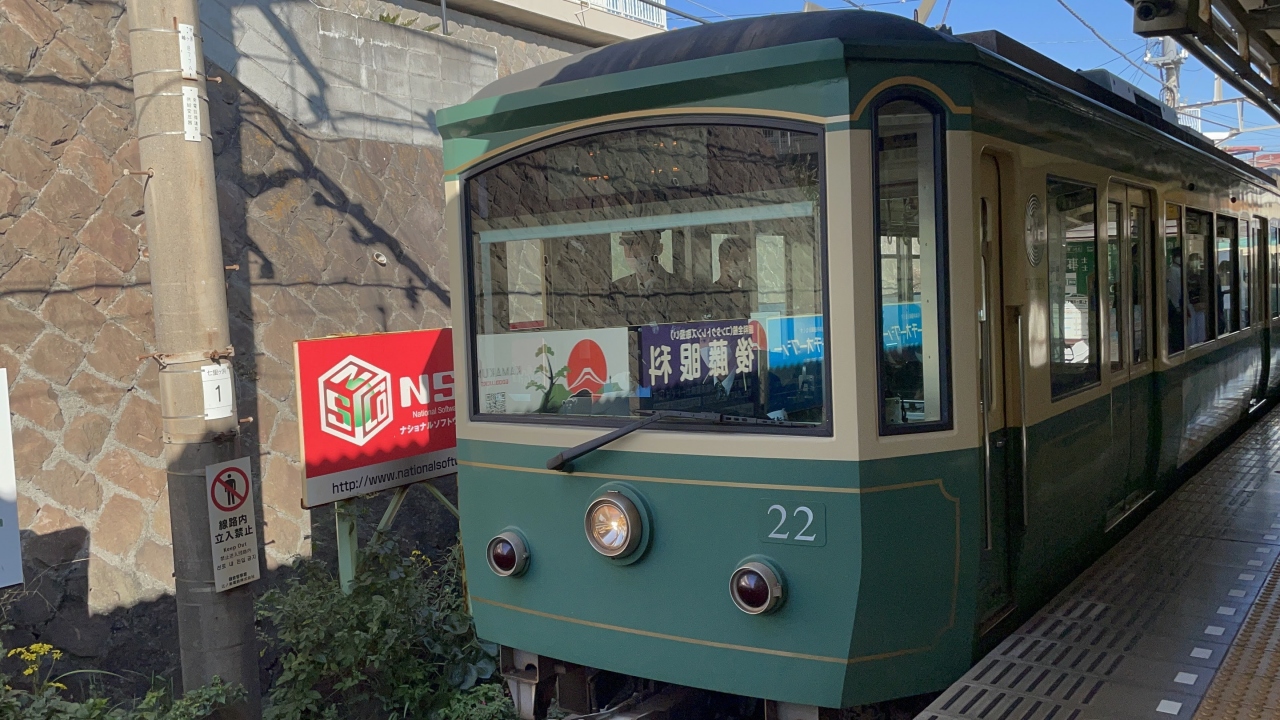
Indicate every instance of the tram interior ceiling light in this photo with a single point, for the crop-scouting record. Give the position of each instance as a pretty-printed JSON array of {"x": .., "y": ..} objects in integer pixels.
[
  {"x": 508, "y": 554},
  {"x": 614, "y": 526},
  {"x": 756, "y": 588}
]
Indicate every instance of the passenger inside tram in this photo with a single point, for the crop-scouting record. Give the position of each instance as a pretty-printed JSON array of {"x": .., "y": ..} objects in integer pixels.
[
  {"x": 646, "y": 295},
  {"x": 1197, "y": 300},
  {"x": 731, "y": 291}
]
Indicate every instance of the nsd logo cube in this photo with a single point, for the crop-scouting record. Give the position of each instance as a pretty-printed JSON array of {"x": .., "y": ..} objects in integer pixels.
[{"x": 355, "y": 400}]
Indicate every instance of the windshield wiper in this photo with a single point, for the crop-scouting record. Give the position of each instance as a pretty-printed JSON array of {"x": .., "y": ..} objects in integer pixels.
[{"x": 564, "y": 458}]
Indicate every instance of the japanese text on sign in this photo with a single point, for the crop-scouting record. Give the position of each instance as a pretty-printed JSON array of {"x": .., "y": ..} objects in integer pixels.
[
  {"x": 692, "y": 352},
  {"x": 233, "y": 526}
]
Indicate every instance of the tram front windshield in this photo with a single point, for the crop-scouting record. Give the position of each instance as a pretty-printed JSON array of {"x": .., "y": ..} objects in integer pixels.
[{"x": 659, "y": 268}]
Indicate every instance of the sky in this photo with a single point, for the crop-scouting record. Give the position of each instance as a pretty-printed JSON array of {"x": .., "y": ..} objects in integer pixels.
[{"x": 1046, "y": 26}]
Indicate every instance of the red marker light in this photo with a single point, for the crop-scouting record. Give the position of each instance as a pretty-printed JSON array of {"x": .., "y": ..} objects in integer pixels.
[
  {"x": 507, "y": 554},
  {"x": 755, "y": 588}
]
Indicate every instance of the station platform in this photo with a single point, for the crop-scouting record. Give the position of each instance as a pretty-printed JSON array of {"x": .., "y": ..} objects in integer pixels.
[{"x": 1180, "y": 620}]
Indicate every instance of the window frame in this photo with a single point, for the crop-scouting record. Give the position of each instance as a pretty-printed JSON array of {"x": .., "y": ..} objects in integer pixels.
[
  {"x": 1095, "y": 357},
  {"x": 1169, "y": 352},
  {"x": 1210, "y": 320},
  {"x": 946, "y": 419},
  {"x": 468, "y": 256},
  {"x": 1273, "y": 272},
  {"x": 1230, "y": 317}
]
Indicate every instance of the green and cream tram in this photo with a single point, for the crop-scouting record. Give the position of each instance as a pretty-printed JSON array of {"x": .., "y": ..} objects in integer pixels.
[{"x": 805, "y": 356}]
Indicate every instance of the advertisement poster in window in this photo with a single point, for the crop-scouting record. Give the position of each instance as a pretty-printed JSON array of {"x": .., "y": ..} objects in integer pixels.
[
  {"x": 698, "y": 352},
  {"x": 375, "y": 412},
  {"x": 581, "y": 372},
  {"x": 796, "y": 349},
  {"x": 764, "y": 367}
]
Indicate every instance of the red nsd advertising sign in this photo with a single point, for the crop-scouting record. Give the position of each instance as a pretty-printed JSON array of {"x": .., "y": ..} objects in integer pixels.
[{"x": 377, "y": 412}]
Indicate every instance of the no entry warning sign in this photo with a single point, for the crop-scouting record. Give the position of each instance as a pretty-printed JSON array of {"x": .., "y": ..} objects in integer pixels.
[
  {"x": 233, "y": 527},
  {"x": 230, "y": 488}
]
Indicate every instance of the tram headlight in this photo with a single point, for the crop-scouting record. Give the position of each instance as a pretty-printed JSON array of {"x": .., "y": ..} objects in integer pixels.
[
  {"x": 508, "y": 555},
  {"x": 756, "y": 588},
  {"x": 614, "y": 525}
]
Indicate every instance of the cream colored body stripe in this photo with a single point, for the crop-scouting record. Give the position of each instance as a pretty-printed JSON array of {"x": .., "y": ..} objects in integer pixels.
[{"x": 716, "y": 483}]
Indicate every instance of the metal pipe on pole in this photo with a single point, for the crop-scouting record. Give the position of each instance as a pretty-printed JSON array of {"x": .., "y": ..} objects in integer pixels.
[{"x": 188, "y": 289}]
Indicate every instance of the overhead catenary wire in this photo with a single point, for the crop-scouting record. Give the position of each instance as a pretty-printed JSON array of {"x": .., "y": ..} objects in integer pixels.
[
  {"x": 673, "y": 11},
  {"x": 1107, "y": 42},
  {"x": 708, "y": 9},
  {"x": 945, "y": 10}
]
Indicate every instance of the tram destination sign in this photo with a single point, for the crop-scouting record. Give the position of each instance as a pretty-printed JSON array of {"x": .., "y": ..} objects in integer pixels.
[{"x": 376, "y": 412}]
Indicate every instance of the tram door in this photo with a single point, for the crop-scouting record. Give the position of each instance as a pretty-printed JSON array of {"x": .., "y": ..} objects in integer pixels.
[
  {"x": 995, "y": 577},
  {"x": 1128, "y": 347}
]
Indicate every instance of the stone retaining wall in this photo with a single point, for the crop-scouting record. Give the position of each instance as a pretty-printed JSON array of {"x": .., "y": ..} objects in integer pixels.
[{"x": 301, "y": 214}]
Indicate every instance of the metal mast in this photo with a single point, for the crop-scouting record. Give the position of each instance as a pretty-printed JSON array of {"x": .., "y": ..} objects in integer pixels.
[{"x": 1169, "y": 62}]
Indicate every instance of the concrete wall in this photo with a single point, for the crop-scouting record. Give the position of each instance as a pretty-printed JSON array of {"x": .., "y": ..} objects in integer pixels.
[
  {"x": 339, "y": 71},
  {"x": 517, "y": 48},
  {"x": 341, "y": 75}
]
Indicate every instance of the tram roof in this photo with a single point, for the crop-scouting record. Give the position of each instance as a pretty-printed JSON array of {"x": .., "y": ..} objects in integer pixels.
[
  {"x": 721, "y": 38},
  {"x": 853, "y": 28}
]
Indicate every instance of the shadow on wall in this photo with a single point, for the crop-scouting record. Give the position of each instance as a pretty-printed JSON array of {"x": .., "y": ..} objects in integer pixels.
[
  {"x": 139, "y": 643},
  {"x": 340, "y": 74},
  {"x": 302, "y": 217}
]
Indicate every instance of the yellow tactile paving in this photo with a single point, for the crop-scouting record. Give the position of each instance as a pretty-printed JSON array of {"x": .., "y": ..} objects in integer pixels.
[{"x": 1247, "y": 686}]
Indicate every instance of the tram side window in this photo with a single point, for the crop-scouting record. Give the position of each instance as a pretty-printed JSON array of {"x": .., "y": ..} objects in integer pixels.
[
  {"x": 1225, "y": 267},
  {"x": 1139, "y": 231},
  {"x": 910, "y": 259},
  {"x": 1201, "y": 277},
  {"x": 1244, "y": 273},
  {"x": 1175, "y": 341},
  {"x": 1073, "y": 286},
  {"x": 1114, "y": 211},
  {"x": 1273, "y": 245}
]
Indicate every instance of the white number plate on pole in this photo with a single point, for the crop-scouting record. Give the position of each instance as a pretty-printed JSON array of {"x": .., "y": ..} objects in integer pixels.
[
  {"x": 191, "y": 113},
  {"x": 233, "y": 526},
  {"x": 10, "y": 542},
  {"x": 187, "y": 51},
  {"x": 218, "y": 398}
]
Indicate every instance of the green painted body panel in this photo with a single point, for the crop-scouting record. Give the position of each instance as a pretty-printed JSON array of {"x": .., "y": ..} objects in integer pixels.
[
  {"x": 1076, "y": 476},
  {"x": 889, "y": 589},
  {"x": 854, "y": 582},
  {"x": 803, "y": 78}
]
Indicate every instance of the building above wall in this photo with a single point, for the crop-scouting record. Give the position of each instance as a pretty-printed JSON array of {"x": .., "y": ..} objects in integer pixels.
[{"x": 590, "y": 22}]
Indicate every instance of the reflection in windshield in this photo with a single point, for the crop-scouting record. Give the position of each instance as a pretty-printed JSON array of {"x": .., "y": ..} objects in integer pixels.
[{"x": 667, "y": 268}]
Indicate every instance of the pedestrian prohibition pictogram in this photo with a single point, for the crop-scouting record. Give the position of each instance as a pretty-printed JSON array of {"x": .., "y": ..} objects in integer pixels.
[{"x": 229, "y": 489}]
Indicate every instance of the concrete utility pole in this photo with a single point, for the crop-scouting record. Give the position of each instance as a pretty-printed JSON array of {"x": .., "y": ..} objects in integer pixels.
[
  {"x": 188, "y": 288},
  {"x": 1169, "y": 61}
]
